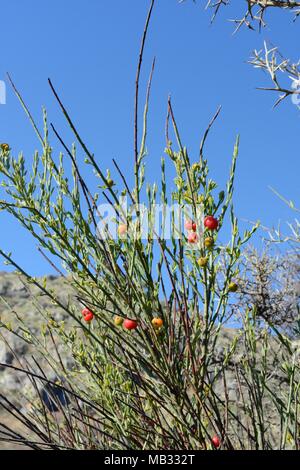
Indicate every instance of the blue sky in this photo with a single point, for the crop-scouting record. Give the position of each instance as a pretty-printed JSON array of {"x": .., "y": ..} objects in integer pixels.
[{"x": 90, "y": 49}]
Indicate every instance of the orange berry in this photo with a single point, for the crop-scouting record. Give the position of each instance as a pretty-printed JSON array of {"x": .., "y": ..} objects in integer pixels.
[
  {"x": 122, "y": 229},
  {"x": 157, "y": 323}
]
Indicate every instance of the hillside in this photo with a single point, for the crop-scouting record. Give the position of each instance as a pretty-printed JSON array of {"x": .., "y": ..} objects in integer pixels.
[{"x": 21, "y": 300}]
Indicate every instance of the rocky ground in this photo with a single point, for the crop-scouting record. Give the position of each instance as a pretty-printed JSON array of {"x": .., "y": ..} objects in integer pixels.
[{"x": 15, "y": 297}]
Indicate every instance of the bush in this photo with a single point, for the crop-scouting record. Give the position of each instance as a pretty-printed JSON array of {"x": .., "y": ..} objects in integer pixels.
[{"x": 154, "y": 365}]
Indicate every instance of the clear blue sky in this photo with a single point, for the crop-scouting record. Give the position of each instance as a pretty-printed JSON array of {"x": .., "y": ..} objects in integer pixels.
[{"x": 90, "y": 49}]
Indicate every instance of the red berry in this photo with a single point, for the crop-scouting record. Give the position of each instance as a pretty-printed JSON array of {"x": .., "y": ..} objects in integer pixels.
[
  {"x": 190, "y": 225},
  {"x": 192, "y": 237},
  {"x": 87, "y": 315},
  {"x": 216, "y": 442},
  {"x": 130, "y": 324},
  {"x": 211, "y": 223}
]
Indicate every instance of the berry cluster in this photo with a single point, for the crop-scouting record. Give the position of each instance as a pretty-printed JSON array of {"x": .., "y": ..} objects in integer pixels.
[
  {"x": 127, "y": 323},
  {"x": 210, "y": 223}
]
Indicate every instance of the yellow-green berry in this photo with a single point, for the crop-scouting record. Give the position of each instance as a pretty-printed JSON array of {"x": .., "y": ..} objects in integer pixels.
[
  {"x": 5, "y": 147},
  {"x": 109, "y": 183},
  {"x": 202, "y": 262},
  {"x": 209, "y": 242},
  {"x": 118, "y": 321},
  {"x": 233, "y": 287}
]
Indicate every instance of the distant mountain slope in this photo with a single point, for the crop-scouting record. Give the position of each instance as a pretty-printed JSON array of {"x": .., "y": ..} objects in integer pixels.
[{"x": 21, "y": 300}]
